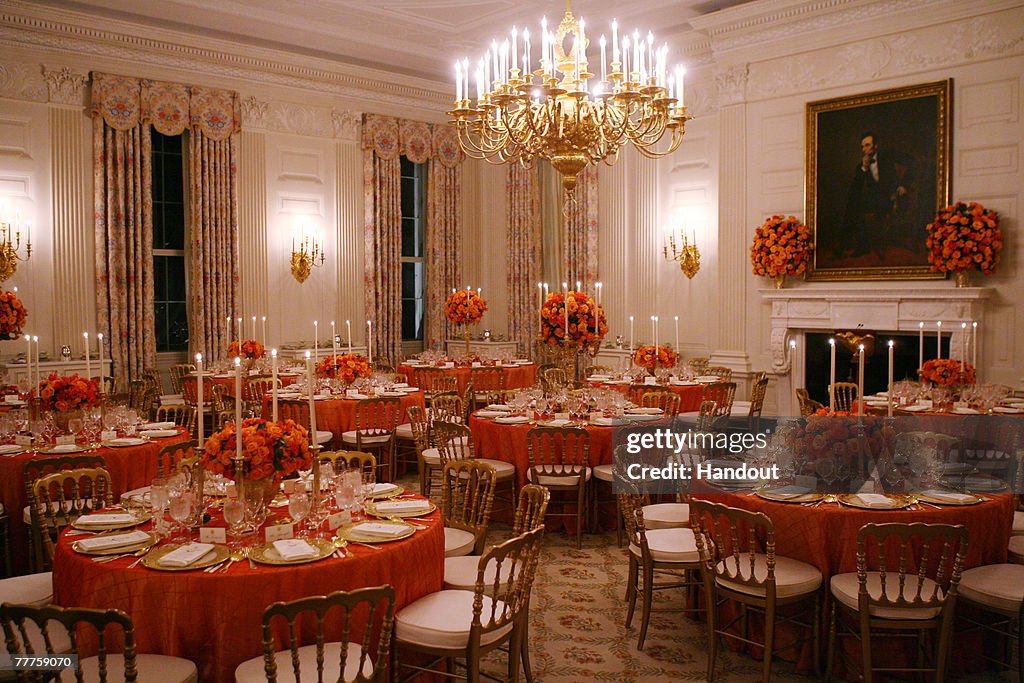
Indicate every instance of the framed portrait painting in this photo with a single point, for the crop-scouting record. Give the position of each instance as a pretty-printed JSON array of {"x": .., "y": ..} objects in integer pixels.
[{"x": 877, "y": 173}]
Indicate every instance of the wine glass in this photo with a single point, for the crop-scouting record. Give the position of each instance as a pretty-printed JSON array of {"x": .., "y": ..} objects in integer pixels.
[
  {"x": 298, "y": 506},
  {"x": 159, "y": 496},
  {"x": 344, "y": 493},
  {"x": 181, "y": 509},
  {"x": 234, "y": 515}
]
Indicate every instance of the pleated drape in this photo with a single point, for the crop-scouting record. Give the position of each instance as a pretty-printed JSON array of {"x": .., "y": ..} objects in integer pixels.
[
  {"x": 579, "y": 236},
  {"x": 383, "y": 251},
  {"x": 444, "y": 222},
  {"x": 522, "y": 198}
]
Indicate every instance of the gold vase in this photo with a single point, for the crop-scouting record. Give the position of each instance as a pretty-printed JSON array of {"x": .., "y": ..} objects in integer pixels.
[
  {"x": 962, "y": 278},
  {"x": 466, "y": 332},
  {"x": 780, "y": 281}
]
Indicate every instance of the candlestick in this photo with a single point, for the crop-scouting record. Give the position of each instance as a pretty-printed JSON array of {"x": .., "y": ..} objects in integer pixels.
[
  {"x": 565, "y": 326},
  {"x": 99, "y": 343},
  {"x": 199, "y": 397},
  {"x": 238, "y": 406},
  {"x": 792, "y": 371},
  {"x": 239, "y": 332},
  {"x": 28, "y": 358},
  {"x": 316, "y": 339},
  {"x": 229, "y": 328},
  {"x": 938, "y": 340},
  {"x": 312, "y": 402},
  {"x": 369, "y": 339},
  {"x": 860, "y": 380},
  {"x": 348, "y": 332},
  {"x": 88, "y": 363},
  {"x": 890, "y": 376},
  {"x": 676, "y": 318},
  {"x": 264, "y": 326},
  {"x": 832, "y": 376},
  {"x": 974, "y": 347},
  {"x": 39, "y": 371},
  {"x": 334, "y": 340},
  {"x": 631, "y": 335},
  {"x": 273, "y": 389},
  {"x": 920, "y": 342},
  {"x": 254, "y": 327},
  {"x": 540, "y": 304},
  {"x": 963, "y": 348}
]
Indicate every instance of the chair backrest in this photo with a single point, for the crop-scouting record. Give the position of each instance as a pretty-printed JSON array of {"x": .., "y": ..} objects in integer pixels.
[
  {"x": 171, "y": 455},
  {"x": 553, "y": 378},
  {"x": 35, "y": 469},
  {"x": 296, "y": 410},
  {"x": 176, "y": 373},
  {"x": 631, "y": 510},
  {"x": 706, "y": 416},
  {"x": 420, "y": 426},
  {"x": 446, "y": 406},
  {"x": 443, "y": 384},
  {"x": 468, "y": 398},
  {"x": 758, "y": 390},
  {"x": 382, "y": 367},
  {"x": 65, "y": 495},
  {"x": 486, "y": 381},
  {"x": 599, "y": 370},
  {"x": 808, "y": 406},
  {"x": 378, "y": 416},
  {"x": 728, "y": 542},
  {"x": 636, "y": 392},
  {"x": 467, "y": 496},
  {"x": 253, "y": 391},
  {"x": 698, "y": 365},
  {"x": 178, "y": 413},
  {"x": 845, "y": 395},
  {"x": 919, "y": 565},
  {"x": 424, "y": 377},
  {"x": 720, "y": 371},
  {"x": 370, "y": 611},
  {"x": 558, "y": 452},
  {"x": 668, "y": 401},
  {"x": 454, "y": 441},
  {"x": 364, "y": 462},
  {"x": 722, "y": 393},
  {"x": 532, "y": 507},
  {"x": 17, "y": 620}
]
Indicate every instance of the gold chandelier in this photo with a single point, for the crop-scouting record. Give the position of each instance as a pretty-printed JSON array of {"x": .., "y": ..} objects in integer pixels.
[
  {"x": 10, "y": 243},
  {"x": 521, "y": 114}
]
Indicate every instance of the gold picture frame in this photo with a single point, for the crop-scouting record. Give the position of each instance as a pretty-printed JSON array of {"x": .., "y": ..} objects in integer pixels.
[{"x": 877, "y": 172}]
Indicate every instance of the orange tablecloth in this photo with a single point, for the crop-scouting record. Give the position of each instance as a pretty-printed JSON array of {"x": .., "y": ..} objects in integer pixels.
[
  {"x": 516, "y": 377},
  {"x": 214, "y": 619},
  {"x": 692, "y": 394},
  {"x": 338, "y": 415},
  {"x": 130, "y": 467},
  {"x": 226, "y": 381}
]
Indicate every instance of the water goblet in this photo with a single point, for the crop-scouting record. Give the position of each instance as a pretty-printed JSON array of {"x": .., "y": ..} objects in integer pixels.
[
  {"x": 298, "y": 506},
  {"x": 159, "y": 496},
  {"x": 234, "y": 515},
  {"x": 181, "y": 508}
]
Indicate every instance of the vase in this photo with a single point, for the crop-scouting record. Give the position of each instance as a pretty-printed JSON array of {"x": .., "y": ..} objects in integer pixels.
[
  {"x": 61, "y": 418},
  {"x": 259, "y": 490},
  {"x": 466, "y": 332},
  {"x": 780, "y": 281},
  {"x": 249, "y": 364},
  {"x": 962, "y": 278}
]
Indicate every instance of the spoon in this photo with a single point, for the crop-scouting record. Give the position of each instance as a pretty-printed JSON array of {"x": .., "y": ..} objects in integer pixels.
[
  {"x": 110, "y": 558},
  {"x": 340, "y": 544},
  {"x": 406, "y": 521},
  {"x": 237, "y": 554}
]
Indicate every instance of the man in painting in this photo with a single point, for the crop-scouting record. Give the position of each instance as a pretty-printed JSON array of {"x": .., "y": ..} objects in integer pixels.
[{"x": 879, "y": 196}]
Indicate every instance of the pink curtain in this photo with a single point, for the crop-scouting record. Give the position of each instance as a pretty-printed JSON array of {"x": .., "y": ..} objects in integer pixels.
[
  {"x": 123, "y": 212},
  {"x": 444, "y": 231},
  {"x": 579, "y": 246},
  {"x": 522, "y": 199}
]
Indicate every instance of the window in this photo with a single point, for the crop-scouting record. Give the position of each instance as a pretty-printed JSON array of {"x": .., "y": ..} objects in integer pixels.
[
  {"x": 414, "y": 262},
  {"x": 169, "y": 260}
]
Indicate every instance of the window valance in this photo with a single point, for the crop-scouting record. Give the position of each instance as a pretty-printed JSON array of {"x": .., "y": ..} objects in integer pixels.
[
  {"x": 123, "y": 102},
  {"x": 390, "y": 137}
]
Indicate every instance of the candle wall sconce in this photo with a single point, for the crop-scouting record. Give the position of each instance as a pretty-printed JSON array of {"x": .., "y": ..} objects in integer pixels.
[
  {"x": 683, "y": 251},
  {"x": 305, "y": 259}
]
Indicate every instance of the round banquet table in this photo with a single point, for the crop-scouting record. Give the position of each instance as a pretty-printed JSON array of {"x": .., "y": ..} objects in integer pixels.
[
  {"x": 516, "y": 376},
  {"x": 691, "y": 394},
  {"x": 130, "y": 467},
  {"x": 228, "y": 382},
  {"x": 215, "y": 619},
  {"x": 826, "y": 537},
  {"x": 338, "y": 415}
]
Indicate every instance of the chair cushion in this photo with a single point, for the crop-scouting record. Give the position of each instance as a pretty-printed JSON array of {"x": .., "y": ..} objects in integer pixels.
[
  {"x": 460, "y": 573},
  {"x": 58, "y": 639},
  {"x": 151, "y": 668},
  {"x": 323, "y": 436},
  {"x": 431, "y": 456},
  {"x": 29, "y": 589},
  {"x": 670, "y": 545},
  {"x": 502, "y": 470},
  {"x": 1016, "y": 548},
  {"x": 997, "y": 586},
  {"x": 603, "y": 472},
  {"x": 443, "y": 620},
  {"x": 846, "y": 587},
  {"x": 1018, "y": 523},
  {"x": 666, "y": 515},
  {"x": 792, "y": 577},
  {"x": 552, "y": 480},
  {"x": 458, "y": 542},
  {"x": 350, "y": 437},
  {"x": 252, "y": 671},
  {"x": 404, "y": 432}
]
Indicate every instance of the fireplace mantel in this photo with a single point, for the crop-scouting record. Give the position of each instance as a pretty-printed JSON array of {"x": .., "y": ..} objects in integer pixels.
[{"x": 883, "y": 308}]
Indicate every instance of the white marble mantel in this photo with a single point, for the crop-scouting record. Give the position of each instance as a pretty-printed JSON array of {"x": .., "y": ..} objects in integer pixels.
[{"x": 883, "y": 308}]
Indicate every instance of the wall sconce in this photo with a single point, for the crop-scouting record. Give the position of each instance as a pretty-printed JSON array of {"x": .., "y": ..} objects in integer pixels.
[
  {"x": 305, "y": 259},
  {"x": 10, "y": 243},
  {"x": 686, "y": 253}
]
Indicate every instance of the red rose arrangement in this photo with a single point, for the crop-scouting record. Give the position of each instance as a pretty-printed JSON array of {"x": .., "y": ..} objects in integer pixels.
[
  {"x": 269, "y": 449},
  {"x": 69, "y": 392},
  {"x": 964, "y": 237},
  {"x": 824, "y": 435},
  {"x": 651, "y": 358},
  {"x": 946, "y": 372},
  {"x": 782, "y": 246},
  {"x": 464, "y": 307},
  {"x": 581, "y": 330},
  {"x": 346, "y": 367},
  {"x": 12, "y": 315},
  {"x": 250, "y": 349}
]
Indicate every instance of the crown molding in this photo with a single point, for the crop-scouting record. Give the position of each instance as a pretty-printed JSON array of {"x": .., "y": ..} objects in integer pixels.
[{"x": 27, "y": 25}]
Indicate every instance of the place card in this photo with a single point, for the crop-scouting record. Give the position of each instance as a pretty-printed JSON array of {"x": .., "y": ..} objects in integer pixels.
[
  {"x": 279, "y": 531},
  {"x": 66, "y": 440},
  {"x": 449, "y": 364},
  {"x": 477, "y": 364},
  {"x": 108, "y": 435},
  {"x": 339, "y": 519},
  {"x": 11, "y": 398},
  {"x": 213, "y": 534},
  {"x": 288, "y": 486},
  {"x": 960, "y": 405},
  {"x": 23, "y": 440},
  {"x": 650, "y": 380},
  {"x": 926, "y": 403},
  {"x": 351, "y": 392}
]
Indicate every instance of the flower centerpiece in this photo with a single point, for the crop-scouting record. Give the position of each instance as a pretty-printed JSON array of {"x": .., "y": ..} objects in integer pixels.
[
  {"x": 837, "y": 435},
  {"x": 270, "y": 452},
  {"x": 346, "y": 367},
  {"x": 782, "y": 246},
  {"x": 964, "y": 237},
  {"x": 12, "y": 315},
  {"x": 250, "y": 349},
  {"x": 651, "y": 357},
  {"x": 581, "y": 330},
  {"x": 945, "y": 372},
  {"x": 65, "y": 393},
  {"x": 464, "y": 307}
]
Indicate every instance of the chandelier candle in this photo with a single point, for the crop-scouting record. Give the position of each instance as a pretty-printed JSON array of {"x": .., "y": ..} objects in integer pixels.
[
  {"x": 199, "y": 396},
  {"x": 677, "y": 333},
  {"x": 974, "y": 346},
  {"x": 273, "y": 386},
  {"x": 565, "y": 310},
  {"x": 35, "y": 340},
  {"x": 239, "y": 332},
  {"x": 792, "y": 370},
  {"x": 88, "y": 363},
  {"x": 254, "y": 327}
]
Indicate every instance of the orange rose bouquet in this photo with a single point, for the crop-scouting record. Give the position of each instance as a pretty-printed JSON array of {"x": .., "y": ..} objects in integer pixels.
[
  {"x": 651, "y": 358},
  {"x": 269, "y": 449},
  {"x": 964, "y": 237},
  {"x": 837, "y": 435},
  {"x": 346, "y": 367},
  {"x": 12, "y": 315},
  {"x": 69, "y": 392},
  {"x": 464, "y": 307},
  {"x": 782, "y": 246},
  {"x": 946, "y": 372},
  {"x": 250, "y": 349},
  {"x": 581, "y": 330}
]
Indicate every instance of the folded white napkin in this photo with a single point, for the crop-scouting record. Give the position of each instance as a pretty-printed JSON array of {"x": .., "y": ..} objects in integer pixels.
[
  {"x": 512, "y": 419},
  {"x": 949, "y": 497},
  {"x": 499, "y": 406},
  {"x": 401, "y": 385},
  {"x": 159, "y": 433},
  {"x": 380, "y": 530},
  {"x": 602, "y": 421},
  {"x": 115, "y": 541},
  {"x": 1009, "y": 410},
  {"x": 393, "y": 393},
  {"x": 383, "y": 488},
  {"x": 557, "y": 423},
  {"x": 403, "y": 506},
  {"x": 358, "y": 396},
  {"x": 104, "y": 518},
  {"x": 10, "y": 449},
  {"x": 875, "y": 500},
  {"x": 127, "y": 441},
  {"x": 790, "y": 490},
  {"x": 598, "y": 378},
  {"x": 186, "y": 555},
  {"x": 645, "y": 411},
  {"x": 294, "y": 549},
  {"x": 490, "y": 413},
  {"x": 64, "y": 448},
  {"x": 158, "y": 425}
]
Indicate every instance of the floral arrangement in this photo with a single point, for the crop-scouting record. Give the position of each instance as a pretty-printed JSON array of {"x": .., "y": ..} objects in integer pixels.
[
  {"x": 782, "y": 246},
  {"x": 581, "y": 320},
  {"x": 269, "y": 449},
  {"x": 346, "y": 367},
  {"x": 650, "y": 357},
  {"x": 250, "y": 349},
  {"x": 824, "y": 435},
  {"x": 12, "y": 315},
  {"x": 69, "y": 392},
  {"x": 946, "y": 372},
  {"x": 464, "y": 307},
  {"x": 964, "y": 237}
]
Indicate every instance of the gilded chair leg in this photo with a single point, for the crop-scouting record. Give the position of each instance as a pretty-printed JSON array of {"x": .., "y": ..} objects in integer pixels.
[
  {"x": 816, "y": 636},
  {"x": 631, "y": 589},
  {"x": 712, "y": 610},
  {"x": 524, "y": 645},
  {"x": 515, "y": 646},
  {"x": 865, "y": 651},
  {"x": 648, "y": 598},
  {"x": 831, "y": 643},
  {"x": 769, "y": 645}
]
